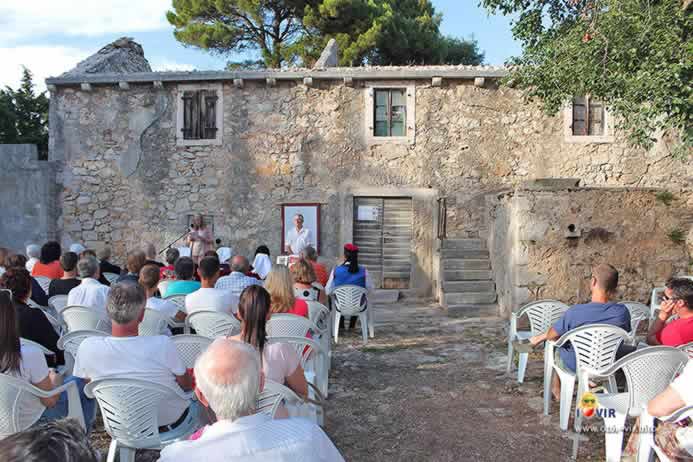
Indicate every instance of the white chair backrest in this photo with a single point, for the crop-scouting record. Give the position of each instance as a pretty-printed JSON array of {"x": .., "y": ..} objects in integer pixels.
[
  {"x": 649, "y": 371},
  {"x": 638, "y": 312},
  {"x": 272, "y": 397},
  {"x": 190, "y": 346},
  {"x": 71, "y": 341},
  {"x": 44, "y": 282},
  {"x": 213, "y": 324},
  {"x": 130, "y": 409},
  {"x": 305, "y": 348},
  {"x": 111, "y": 277},
  {"x": 289, "y": 325},
  {"x": 26, "y": 341},
  {"x": 57, "y": 302},
  {"x": 595, "y": 345},
  {"x": 319, "y": 314},
  {"x": 154, "y": 323},
  {"x": 687, "y": 348},
  {"x": 83, "y": 318},
  {"x": 656, "y": 300},
  {"x": 19, "y": 407},
  {"x": 350, "y": 300},
  {"x": 542, "y": 314},
  {"x": 311, "y": 293},
  {"x": 178, "y": 300}
]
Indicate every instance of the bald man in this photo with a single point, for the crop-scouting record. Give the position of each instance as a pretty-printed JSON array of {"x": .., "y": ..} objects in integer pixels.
[
  {"x": 232, "y": 369},
  {"x": 237, "y": 280}
]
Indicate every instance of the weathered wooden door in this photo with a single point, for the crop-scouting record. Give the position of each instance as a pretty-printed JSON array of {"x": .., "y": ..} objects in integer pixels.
[{"x": 383, "y": 233}]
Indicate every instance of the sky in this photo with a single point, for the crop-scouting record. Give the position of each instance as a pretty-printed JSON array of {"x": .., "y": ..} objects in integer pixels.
[{"x": 51, "y": 36}]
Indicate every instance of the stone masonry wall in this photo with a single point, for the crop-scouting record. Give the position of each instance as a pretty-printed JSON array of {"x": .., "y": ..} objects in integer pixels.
[
  {"x": 291, "y": 143},
  {"x": 545, "y": 243}
]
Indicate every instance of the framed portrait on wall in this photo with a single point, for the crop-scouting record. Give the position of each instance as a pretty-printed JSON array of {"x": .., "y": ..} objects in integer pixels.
[{"x": 295, "y": 238}]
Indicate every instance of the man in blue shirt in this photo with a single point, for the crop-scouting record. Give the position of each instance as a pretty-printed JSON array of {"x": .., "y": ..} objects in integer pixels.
[{"x": 601, "y": 310}]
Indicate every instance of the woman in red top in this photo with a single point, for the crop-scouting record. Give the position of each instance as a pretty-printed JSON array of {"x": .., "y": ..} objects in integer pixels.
[
  {"x": 280, "y": 285},
  {"x": 49, "y": 263}
]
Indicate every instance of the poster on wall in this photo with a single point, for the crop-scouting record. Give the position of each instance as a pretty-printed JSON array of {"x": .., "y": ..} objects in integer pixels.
[{"x": 300, "y": 227}]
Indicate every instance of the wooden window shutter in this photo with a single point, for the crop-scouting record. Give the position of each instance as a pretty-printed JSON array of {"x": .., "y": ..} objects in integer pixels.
[
  {"x": 580, "y": 115},
  {"x": 210, "y": 115},
  {"x": 187, "y": 129},
  {"x": 596, "y": 118}
]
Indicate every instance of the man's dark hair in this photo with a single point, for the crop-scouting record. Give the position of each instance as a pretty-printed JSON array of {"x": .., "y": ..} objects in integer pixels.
[
  {"x": 56, "y": 441},
  {"x": 50, "y": 252},
  {"x": 682, "y": 289},
  {"x": 172, "y": 255},
  {"x": 18, "y": 280},
  {"x": 606, "y": 276},
  {"x": 68, "y": 261},
  {"x": 184, "y": 268},
  {"x": 209, "y": 267}
]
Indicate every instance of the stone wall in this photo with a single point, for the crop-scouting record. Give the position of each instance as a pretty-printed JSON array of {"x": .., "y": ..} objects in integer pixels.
[
  {"x": 544, "y": 242},
  {"x": 29, "y": 191},
  {"x": 126, "y": 180}
]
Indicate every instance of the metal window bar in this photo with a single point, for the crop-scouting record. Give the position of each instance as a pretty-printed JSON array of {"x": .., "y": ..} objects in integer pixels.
[{"x": 442, "y": 218}]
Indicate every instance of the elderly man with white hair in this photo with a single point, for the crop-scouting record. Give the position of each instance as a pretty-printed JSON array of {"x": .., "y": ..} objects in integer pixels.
[
  {"x": 228, "y": 380},
  {"x": 90, "y": 292},
  {"x": 33, "y": 253}
]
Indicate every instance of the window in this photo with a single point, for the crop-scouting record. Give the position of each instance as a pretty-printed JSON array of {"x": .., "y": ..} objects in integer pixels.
[
  {"x": 390, "y": 112},
  {"x": 588, "y": 117},
  {"x": 199, "y": 118}
]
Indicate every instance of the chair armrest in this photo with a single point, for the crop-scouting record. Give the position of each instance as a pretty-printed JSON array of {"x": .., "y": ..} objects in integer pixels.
[
  {"x": 74, "y": 404},
  {"x": 680, "y": 414}
]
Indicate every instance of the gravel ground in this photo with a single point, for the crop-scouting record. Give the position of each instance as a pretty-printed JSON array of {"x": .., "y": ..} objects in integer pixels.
[{"x": 433, "y": 388}]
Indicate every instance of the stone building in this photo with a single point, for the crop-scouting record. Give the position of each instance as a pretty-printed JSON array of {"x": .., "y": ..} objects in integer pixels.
[{"x": 427, "y": 169}]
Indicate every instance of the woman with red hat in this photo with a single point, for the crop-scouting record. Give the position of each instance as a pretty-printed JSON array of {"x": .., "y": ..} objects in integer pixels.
[{"x": 349, "y": 273}]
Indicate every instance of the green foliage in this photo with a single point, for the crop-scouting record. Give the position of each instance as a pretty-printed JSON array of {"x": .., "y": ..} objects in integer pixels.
[
  {"x": 377, "y": 32},
  {"x": 665, "y": 197},
  {"x": 676, "y": 235},
  {"x": 24, "y": 115},
  {"x": 635, "y": 55}
]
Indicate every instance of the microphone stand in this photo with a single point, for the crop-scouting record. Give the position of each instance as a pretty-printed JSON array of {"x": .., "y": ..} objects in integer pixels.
[{"x": 173, "y": 242}]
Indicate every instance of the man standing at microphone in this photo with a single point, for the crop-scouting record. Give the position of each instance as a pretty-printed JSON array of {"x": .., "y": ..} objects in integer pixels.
[{"x": 200, "y": 239}]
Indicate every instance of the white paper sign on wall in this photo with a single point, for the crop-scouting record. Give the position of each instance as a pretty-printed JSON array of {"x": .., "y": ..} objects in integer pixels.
[{"x": 367, "y": 213}]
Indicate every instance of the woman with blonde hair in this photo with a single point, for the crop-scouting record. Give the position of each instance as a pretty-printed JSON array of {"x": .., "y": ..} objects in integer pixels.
[
  {"x": 280, "y": 285},
  {"x": 304, "y": 278}
]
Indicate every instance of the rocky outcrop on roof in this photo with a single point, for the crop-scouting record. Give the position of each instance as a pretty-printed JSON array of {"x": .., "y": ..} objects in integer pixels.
[{"x": 123, "y": 56}]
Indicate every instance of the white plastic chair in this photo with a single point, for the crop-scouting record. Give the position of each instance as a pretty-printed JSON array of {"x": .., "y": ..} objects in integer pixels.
[
  {"x": 655, "y": 302},
  {"x": 190, "y": 346},
  {"x": 352, "y": 301},
  {"x": 154, "y": 323},
  {"x": 111, "y": 277},
  {"x": 291, "y": 325},
  {"x": 78, "y": 317},
  {"x": 647, "y": 443},
  {"x": 648, "y": 373},
  {"x": 178, "y": 300},
  {"x": 71, "y": 341},
  {"x": 595, "y": 347},
  {"x": 51, "y": 315},
  {"x": 212, "y": 324},
  {"x": 312, "y": 356},
  {"x": 638, "y": 313},
  {"x": 130, "y": 410},
  {"x": 542, "y": 315},
  {"x": 44, "y": 282},
  {"x": 275, "y": 394},
  {"x": 687, "y": 348},
  {"x": 57, "y": 302}
]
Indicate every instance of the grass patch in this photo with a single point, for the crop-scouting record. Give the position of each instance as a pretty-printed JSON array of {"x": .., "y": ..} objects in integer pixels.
[
  {"x": 665, "y": 197},
  {"x": 676, "y": 235}
]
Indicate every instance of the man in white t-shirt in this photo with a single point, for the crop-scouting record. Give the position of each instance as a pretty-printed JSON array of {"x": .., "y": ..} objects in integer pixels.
[
  {"x": 125, "y": 354},
  {"x": 207, "y": 297},
  {"x": 90, "y": 293},
  {"x": 298, "y": 238},
  {"x": 230, "y": 368}
]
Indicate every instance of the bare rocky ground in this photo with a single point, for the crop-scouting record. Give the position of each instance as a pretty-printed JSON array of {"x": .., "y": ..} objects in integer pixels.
[{"x": 433, "y": 388}]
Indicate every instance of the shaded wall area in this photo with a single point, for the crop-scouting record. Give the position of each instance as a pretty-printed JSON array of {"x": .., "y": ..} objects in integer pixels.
[{"x": 28, "y": 190}]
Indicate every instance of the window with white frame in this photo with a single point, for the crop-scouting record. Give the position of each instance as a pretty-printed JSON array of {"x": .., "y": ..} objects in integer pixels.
[
  {"x": 390, "y": 113},
  {"x": 587, "y": 121},
  {"x": 199, "y": 115}
]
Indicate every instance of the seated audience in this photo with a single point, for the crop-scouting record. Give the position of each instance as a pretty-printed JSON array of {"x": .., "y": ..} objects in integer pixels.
[
  {"x": 311, "y": 255},
  {"x": 125, "y": 354},
  {"x": 32, "y": 323},
  {"x": 38, "y": 296},
  {"x": 63, "y": 286},
  {"x": 58, "y": 441},
  {"x": 207, "y": 297},
  {"x": 28, "y": 363},
  {"x": 280, "y": 285},
  {"x": 135, "y": 262},
  {"x": 230, "y": 368},
  {"x": 105, "y": 266},
  {"x": 224, "y": 254},
  {"x": 349, "y": 272},
  {"x": 90, "y": 293},
  {"x": 4, "y": 253},
  {"x": 280, "y": 361},
  {"x": 262, "y": 264},
  {"x": 678, "y": 300},
  {"x": 49, "y": 262},
  {"x": 675, "y": 439},
  {"x": 184, "y": 283},
  {"x": 237, "y": 280},
  {"x": 601, "y": 310},
  {"x": 33, "y": 252},
  {"x": 304, "y": 277},
  {"x": 150, "y": 253},
  {"x": 169, "y": 271},
  {"x": 149, "y": 279},
  {"x": 92, "y": 253}
]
